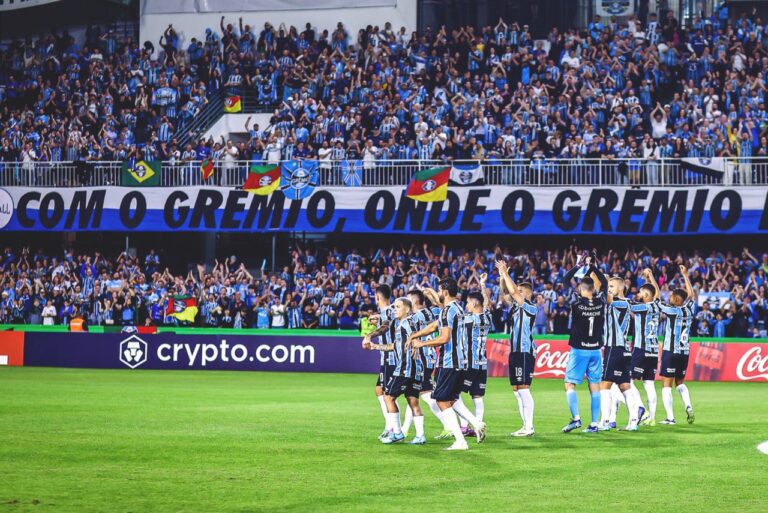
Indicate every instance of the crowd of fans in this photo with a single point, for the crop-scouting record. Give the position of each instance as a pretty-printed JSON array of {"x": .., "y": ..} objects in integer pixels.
[
  {"x": 621, "y": 89},
  {"x": 333, "y": 289}
]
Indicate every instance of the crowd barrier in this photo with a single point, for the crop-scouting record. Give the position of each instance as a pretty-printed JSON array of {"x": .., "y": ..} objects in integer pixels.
[{"x": 323, "y": 351}]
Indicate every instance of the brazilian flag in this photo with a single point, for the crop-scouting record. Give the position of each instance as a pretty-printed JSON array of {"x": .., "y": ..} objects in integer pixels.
[{"x": 141, "y": 173}]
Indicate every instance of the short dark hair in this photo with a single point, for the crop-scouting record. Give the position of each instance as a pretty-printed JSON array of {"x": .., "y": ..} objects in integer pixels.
[
  {"x": 681, "y": 293},
  {"x": 418, "y": 294},
  {"x": 525, "y": 285},
  {"x": 477, "y": 296},
  {"x": 588, "y": 282},
  {"x": 449, "y": 285},
  {"x": 648, "y": 287},
  {"x": 384, "y": 290}
]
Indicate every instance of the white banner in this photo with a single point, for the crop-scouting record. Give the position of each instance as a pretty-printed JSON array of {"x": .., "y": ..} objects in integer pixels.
[
  {"x": 209, "y": 6},
  {"x": 467, "y": 210},
  {"x": 10, "y": 5}
]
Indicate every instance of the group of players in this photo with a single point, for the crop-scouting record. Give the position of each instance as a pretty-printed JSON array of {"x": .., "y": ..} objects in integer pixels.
[{"x": 449, "y": 341}]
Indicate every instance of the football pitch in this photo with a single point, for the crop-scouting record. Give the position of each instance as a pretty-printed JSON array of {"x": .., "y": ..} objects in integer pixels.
[{"x": 164, "y": 441}]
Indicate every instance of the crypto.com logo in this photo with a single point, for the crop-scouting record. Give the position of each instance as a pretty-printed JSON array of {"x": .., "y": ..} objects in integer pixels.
[{"x": 133, "y": 352}]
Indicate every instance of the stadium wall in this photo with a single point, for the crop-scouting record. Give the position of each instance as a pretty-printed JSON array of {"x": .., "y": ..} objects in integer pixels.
[
  {"x": 189, "y": 25},
  {"x": 315, "y": 351}
]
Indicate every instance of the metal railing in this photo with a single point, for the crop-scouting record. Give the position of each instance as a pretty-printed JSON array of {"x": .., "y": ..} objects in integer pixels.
[
  {"x": 204, "y": 119},
  {"x": 529, "y": 173}
]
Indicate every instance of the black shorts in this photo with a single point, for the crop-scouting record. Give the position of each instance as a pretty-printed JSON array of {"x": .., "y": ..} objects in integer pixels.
[
  {"x": 385, "y": 371},
  {"x": 617, "y": 365},
  {"x": 448, "y": 383},
  {"x": 673, "y": 365},
  {"x": 644, "y": 365},
  {"x": 521, "y": 366},
  {"x": 399, "y": 385},
  {"x": 426, "y": 381},
  {"x": 474, "y": 382}
]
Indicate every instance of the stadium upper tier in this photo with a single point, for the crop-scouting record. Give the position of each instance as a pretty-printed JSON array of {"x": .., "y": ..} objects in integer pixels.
[{"x": 614, "y": 90}]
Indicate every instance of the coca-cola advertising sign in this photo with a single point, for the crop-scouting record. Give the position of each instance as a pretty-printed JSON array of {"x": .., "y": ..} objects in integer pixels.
[{"x": 709, "y": 361}]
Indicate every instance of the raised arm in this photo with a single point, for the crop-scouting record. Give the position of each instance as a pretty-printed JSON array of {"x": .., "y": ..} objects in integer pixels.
[
  {"x": 484, "y": 290},
  {"x": 648, "y": 275},
  {"x": 508, "y": 283},
  {"x": 688, "y": 287}
]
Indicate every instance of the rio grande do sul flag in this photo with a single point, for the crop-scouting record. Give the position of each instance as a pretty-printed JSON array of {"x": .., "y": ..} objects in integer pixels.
[
  {"x": 429, "y": 185},
  {"x": 206, "y": 169},
  {"x": 262, "y": 180},
  {"x": 232, "y": 104},
  {"x": 182, "y": 308}
]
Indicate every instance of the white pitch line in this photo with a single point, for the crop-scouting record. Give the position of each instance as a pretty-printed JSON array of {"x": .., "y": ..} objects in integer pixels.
[{"x": 763, "y": 447}]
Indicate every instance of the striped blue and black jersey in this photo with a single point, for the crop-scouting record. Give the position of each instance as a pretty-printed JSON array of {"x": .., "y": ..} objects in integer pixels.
[
  {"x": 646, "y": 336},
  {"x": 679, "y": 319},
  {"x": 617, "y": 323},
  {"x": 523, "y": 319},
  {"x": 387, "y": 315},
  {"x": 405, "y": 365},
  {"x": 476, "y": 328},
  {"x": 452, "y": 352},
  {"x": 422, "y": 319}
]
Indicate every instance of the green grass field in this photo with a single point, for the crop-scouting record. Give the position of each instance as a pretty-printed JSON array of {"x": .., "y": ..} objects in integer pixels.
[{"x": 145, "y": 441}]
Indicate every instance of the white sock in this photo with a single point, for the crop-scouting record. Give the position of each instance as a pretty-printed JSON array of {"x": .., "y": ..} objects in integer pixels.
[
  {"x": 463, "y": 411},
  {"x": 433, "y": 407},
  {"x": 617, "y": 399},
  {"x": 418, "y": 422},
  {"x": 408, "y": 418},
  {"x": 451, "y": 423},
  {"x": 606, "y": 404},
  {"x": 384, "y": 411},
  {"x": 527, "y": 400},
  {"x": 640, "y": 399},
  {"x": 685, "y": 395},
  {"x": 666, "y": 398},
  {"x": 463, "y": 423},
  {"x": 650, "y": 391},
  {"x": 632, "y": 406},
  {"x": 520, "y": 406},
  {"x": 479, "y": 408},
  {"x": 394, "y": 419}
]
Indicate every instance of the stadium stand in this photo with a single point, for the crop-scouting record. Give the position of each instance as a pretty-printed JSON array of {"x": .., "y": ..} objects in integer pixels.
[
  {"x": 614, "y": 90},
  {"x": 332, "y": 288}
]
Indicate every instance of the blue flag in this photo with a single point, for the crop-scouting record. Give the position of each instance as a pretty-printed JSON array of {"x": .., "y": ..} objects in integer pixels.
[
  {"x": 352, "y": 173},
  {"x": 299, "y": 178}
]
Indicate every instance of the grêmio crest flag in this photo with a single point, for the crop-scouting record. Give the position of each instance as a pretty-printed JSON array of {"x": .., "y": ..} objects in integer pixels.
[
  {"x": 467, "y": 173},
  {"x": 299, "y": 178},
  {"x": 141, "y": 173}
]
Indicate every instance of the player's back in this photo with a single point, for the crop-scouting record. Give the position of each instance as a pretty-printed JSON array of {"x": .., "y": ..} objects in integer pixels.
[
  {"x": 677, "y": 332},
  {"x": 617, "y": 323},
  {"x": 452, "y": 353},
  {"x": 646, "y": 318},
  {"x": 587, "y": 320},
  {"x": 523, "y": 320},
  {"x": 476, "y": 328}
]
